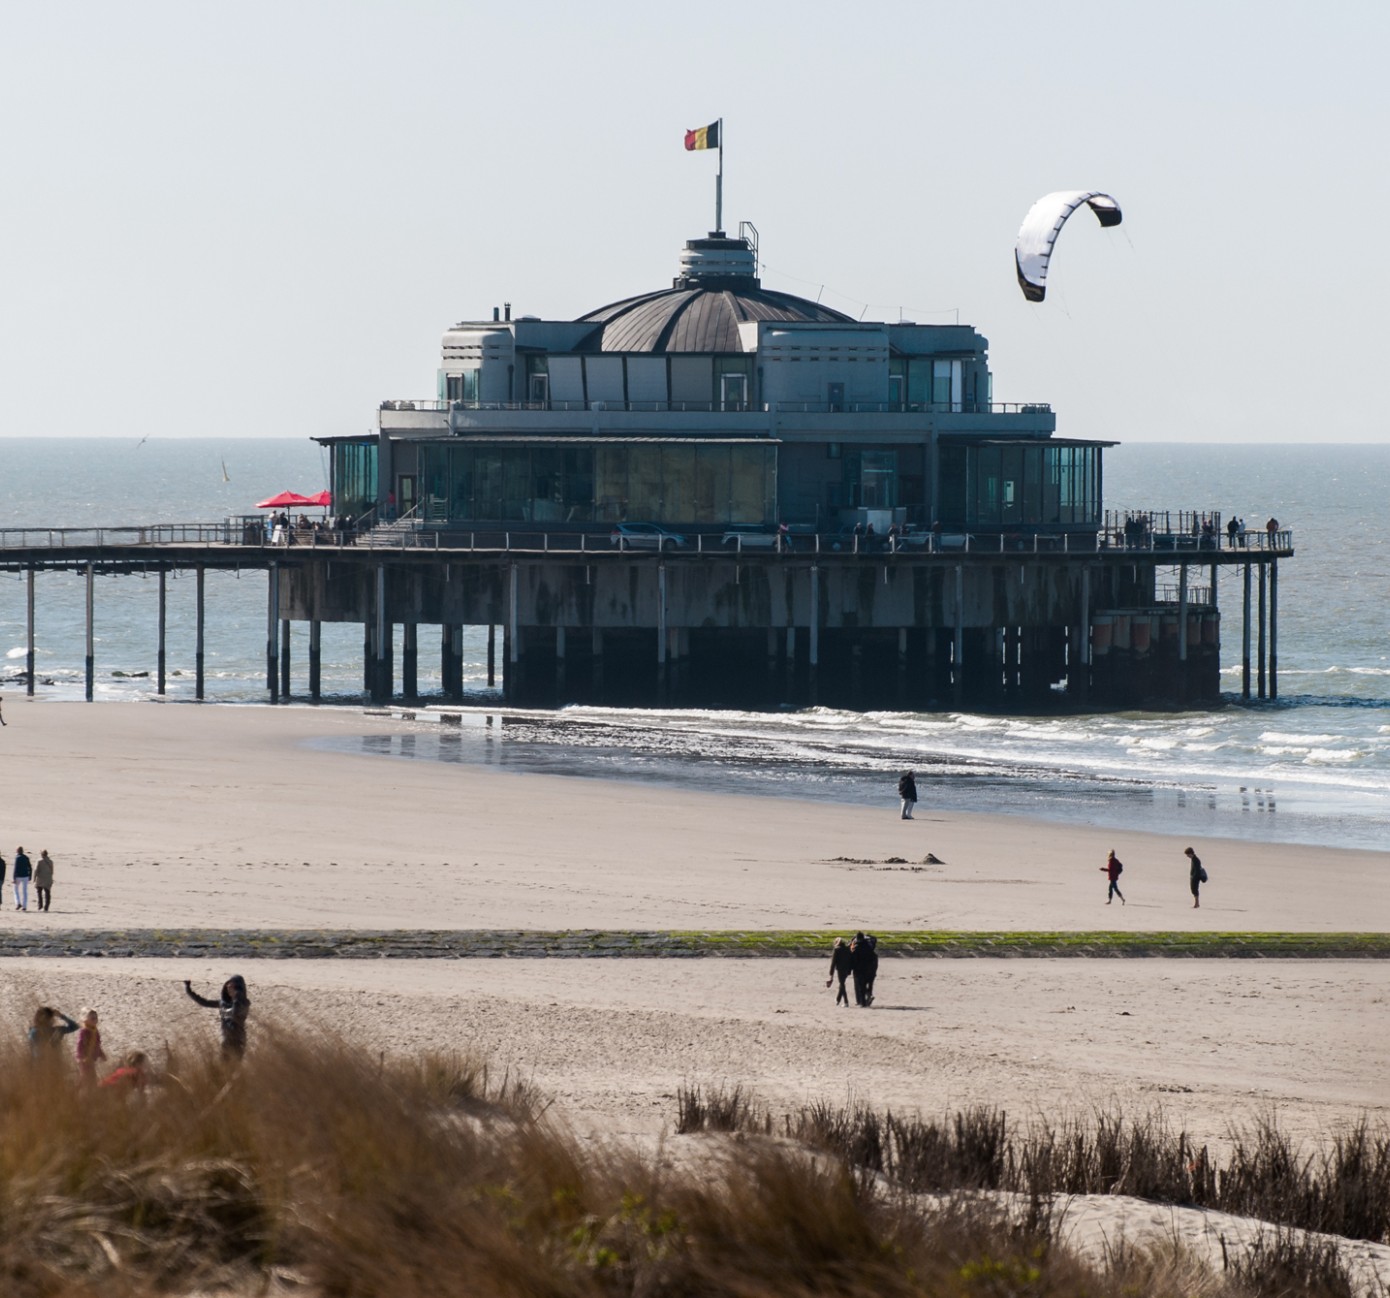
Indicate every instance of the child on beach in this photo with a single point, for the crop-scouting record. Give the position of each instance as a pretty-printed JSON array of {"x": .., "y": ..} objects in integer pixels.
[
  {"x": 89, "y": 1051},
  {"x": 1113, "y": 867},
  {"x": 233, "y": 1008},
  {"x": 132, "y": 1075},
  {"x": 46, "y": 1033}
]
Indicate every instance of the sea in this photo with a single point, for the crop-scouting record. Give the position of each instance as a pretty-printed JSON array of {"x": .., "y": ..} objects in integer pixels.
[{"x": 1312, "y": 767}]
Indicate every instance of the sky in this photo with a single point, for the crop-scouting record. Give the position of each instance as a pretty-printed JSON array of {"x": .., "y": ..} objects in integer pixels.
[{"x": 257, "y": 220}]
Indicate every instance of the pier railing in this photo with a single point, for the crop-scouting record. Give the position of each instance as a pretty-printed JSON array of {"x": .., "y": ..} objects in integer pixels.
[{"x": 249, "y": 532}]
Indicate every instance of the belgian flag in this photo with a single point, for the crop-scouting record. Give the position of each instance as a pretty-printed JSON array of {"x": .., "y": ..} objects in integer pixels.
[{"x": 704, "y": 137}]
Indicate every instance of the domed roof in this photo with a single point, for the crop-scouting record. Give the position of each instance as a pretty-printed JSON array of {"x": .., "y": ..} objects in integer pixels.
[{"x": 716, "y": 291}]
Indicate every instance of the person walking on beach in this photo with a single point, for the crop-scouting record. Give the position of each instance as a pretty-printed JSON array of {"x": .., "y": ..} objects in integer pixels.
[
  {"x": 43, "y": 879},
  {"x": 233, "y": 1007},
  {"x": 46, "y": 1033},
  {"x": 89, "y": 1051},
  {"x": 23, "y": 872},
  {"x": 870, "y": 966},
  {"x": 1196, "y": 876},
  {"x": 3, "y": 722},
  {"x": 841, "y": 963},
  {"x": 1113, "y": 867},
  {"x": 907, "y": 791},
  {"x": 863, "y": 965}
]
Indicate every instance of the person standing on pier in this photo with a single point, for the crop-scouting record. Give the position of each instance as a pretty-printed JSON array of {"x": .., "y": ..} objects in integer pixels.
[
  {"x": 23, "y": 872},
  {"x": 1196, "y": 876},
  {"x": 1113, "y": 867},
  {"x": 907, "y": 791}
]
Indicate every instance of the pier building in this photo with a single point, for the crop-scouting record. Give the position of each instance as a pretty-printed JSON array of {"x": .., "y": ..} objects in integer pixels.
[{"x": 718, "y": 494}]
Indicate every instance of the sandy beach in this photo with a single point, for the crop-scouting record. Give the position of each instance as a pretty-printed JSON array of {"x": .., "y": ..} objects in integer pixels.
[{"x": 165, "y": 816}]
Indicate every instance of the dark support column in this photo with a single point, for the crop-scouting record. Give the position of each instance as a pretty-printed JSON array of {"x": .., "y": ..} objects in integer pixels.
[
  {"x": 368, "y": 658},
  {"x": 661, "y": 632},
  {"x": 491, "y": 654},
  {"x": 272, "y": 618},
  {"x": 316, "y": 660},
  {"x": 285, "y": 658},
  {"x": 560, "y": 682},
  {"x": 91, "y": 658},
  {"x": 410, "y": 661},
  {"x": 789, "y": 692},
  {"x": 902, "y": 666},
  {"x": 511, "y": 678},
  {"x": 456, "y": 680},
  {"x": 163, "y": 626},
  {"x": 958, "y": 649},
  {"x": 198, "y": 645},
  {"x": 451, "y": 660},
  {"x": 813, "y": 637},
  {"x": 596, "y": 662},
  {"x": 29, "y": 653},
  {"x": 1274, "y": 628},
  {"x": 381, "y": 668},
  {"x": 1245, "y": 640},
  {"x": 1260, "y": 626}
]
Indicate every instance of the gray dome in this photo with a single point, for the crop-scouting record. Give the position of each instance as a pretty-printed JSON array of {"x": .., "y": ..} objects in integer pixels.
[{"x": 716, "y": 291}]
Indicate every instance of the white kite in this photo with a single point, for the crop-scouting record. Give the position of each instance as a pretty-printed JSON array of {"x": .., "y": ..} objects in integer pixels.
[{"x": 1041, "y": 227}]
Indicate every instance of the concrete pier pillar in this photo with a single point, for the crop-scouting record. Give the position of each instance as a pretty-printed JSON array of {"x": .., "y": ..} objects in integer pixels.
[
  {"x": 163, "y": 628},
  {"x": 789, "y": 690},
  {"x": 561, "y": 685},
  {"x": 285, "y": 658},
  {"x": 315, "y": 660},
  {"x": 1260, "y": 631},
  {"x": 511, "y": 679},
  {"x": 91, "y": 638},
  {"x": 1245, "y": 639},
  {"x": 813, "y": 638},
  {"x": 958, "y": 644},
  {"x": 902, "y": 667},
  {"x": 491, "y": 654},
  {"x": 381, "y": 642},
  {"x": 410, "y": 661},
  {"x": 29, "y": 637},
  {"x": 272, "y": 626},
  {"x": 368, "y": 657},
  {"x": 1274, "y": 628},
  {"x": 596, "y": 662},
  {"x": 200, "y": 617}
]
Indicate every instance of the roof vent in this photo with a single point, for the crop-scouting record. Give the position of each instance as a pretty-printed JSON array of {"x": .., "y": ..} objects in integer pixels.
[{"x": 717, "y": 261}]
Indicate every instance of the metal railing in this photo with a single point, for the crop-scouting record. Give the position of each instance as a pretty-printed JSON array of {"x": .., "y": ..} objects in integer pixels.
[
  {"x": 409, "y": 533},
  {"x": 735, "y": 407}
]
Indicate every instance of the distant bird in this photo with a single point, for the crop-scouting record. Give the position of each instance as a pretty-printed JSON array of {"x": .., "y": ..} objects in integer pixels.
[{"x": 142, "y": 441}]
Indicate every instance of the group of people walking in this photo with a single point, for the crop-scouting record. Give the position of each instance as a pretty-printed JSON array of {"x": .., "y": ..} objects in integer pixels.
[
  {"x": 1196, "y": 876},
  {"x": 856, "y": 959},
  {"x": 25, "y": 872},
  {"x": 50, "y": 1029}
]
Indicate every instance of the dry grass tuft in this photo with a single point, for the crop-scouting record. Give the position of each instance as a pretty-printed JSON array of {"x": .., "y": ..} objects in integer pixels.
[{"x": 336, "y": 1174}]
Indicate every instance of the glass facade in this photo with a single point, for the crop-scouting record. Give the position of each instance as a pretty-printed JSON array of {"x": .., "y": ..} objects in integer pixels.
[
  {"x": 685, "y": 483},
  {"x": 1019, "y": 485},
  {"x": 354, "y": 477}
]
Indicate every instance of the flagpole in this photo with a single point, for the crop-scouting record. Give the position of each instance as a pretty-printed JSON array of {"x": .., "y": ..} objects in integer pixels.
[{"x": 719, "y": 184}]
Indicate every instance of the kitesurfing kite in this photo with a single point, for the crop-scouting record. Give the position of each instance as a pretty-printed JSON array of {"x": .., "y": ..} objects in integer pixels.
[{"x": 1043, "y": 224}]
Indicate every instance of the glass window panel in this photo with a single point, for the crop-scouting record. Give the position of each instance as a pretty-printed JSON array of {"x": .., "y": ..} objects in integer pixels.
[
  {"x": 516, "y": 484},
  {"x": 1032, "y": 484},
  {"x": 678, "y": 470},
  {"x": 711, "y": 485},
  {"x": 644, "y": 485},
  {"x": 547, "y": 475},
  {"x": 919, "y": 383},
  {"x": 579, "y": 485},
  {"x": 988, "y": 503},
  {"x": 610, "y": 484},
  {"x": 748, "y": 485},
  {"x": 461, "y": 479}
]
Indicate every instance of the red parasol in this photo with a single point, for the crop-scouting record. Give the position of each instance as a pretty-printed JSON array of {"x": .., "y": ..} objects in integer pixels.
[
  {"x": 323, "y": 498},
  {"x": 284, "y": 500}
]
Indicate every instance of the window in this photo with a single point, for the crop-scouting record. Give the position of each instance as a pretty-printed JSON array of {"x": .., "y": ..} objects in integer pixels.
[{"x": 462, "y": 387}]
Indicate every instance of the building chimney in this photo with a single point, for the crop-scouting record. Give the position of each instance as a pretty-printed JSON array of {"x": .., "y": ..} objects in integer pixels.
[
  {"x": 496, "y": 315},
  {"x": 507, "y": 307}
]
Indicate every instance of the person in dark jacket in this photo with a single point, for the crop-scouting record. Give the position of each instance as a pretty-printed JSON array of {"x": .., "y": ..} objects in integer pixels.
[
  {"x": 863, "y": 965},
  {"x": 907, "y": 791},
  {"x": 1112, "y": 869},
  {"x": 49, "y": 1028},
  {"x": 871, "y": 967},
  {"x": 23, "y": 872},
  {"x": 1196, "y": 876},
  {"x": 841, "y": 964},
  {"x": 233, "y": 1008}
]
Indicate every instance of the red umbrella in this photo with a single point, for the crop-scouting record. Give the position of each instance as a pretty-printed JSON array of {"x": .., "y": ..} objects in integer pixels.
[
  {"x": 323, "y": 498},
  {"x": 284, "y": 500}
]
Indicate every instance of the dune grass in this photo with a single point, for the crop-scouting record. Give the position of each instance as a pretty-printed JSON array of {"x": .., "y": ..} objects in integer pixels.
[{"x": 315, "y": 1168}]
